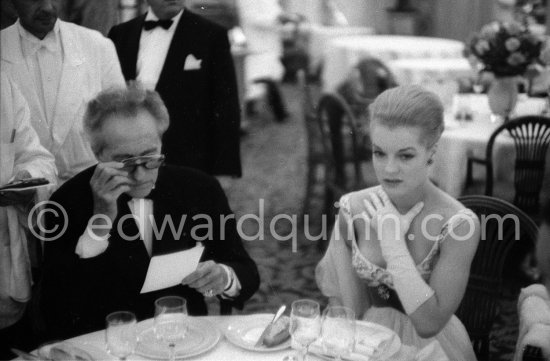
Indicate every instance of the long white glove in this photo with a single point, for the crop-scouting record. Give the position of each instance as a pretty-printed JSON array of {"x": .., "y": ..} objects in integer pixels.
[{"x": 391, "y": 227}]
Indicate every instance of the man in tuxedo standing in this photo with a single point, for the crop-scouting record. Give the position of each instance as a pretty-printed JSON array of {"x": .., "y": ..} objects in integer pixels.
[{"x": 187, "y": 60}]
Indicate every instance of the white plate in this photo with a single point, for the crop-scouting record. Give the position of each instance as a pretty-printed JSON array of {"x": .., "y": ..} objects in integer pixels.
[
  {"x": 244, "y": 332},
  {"x": 202, "y": 336}
]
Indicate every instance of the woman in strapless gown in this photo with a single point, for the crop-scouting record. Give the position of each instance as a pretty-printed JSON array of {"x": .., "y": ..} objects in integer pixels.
[{"x": 400, "y": 252}]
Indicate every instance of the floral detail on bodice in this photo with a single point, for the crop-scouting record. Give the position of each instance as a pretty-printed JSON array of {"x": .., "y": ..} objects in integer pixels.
[{"x": 375, "y": 275}]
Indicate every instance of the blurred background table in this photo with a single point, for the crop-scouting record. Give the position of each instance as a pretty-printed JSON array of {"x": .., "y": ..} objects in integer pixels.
[
  {"x": 461, "y": 139},
  {"x": 343, "y": 53},
  {"x": 420, "y": 71},
  {"x": 320, "y": 35}
]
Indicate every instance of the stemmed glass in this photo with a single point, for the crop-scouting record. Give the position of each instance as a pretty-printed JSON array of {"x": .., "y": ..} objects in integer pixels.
[
  {"x": 170, "y": 321},
  {"x": 121, "y": 334},
  {"x": 305, "y": 324},
  {"x": 338, "y": 331}
]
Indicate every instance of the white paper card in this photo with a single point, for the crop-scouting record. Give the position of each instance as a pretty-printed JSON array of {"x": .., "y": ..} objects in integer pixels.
[{"x": 169, "y": 269}]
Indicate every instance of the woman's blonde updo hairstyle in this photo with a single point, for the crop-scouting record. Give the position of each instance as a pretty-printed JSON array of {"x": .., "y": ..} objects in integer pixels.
[{"x": 409, "y": 106}]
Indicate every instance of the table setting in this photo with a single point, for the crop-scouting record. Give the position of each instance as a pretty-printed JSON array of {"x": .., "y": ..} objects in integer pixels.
[
  {"x": 469, "y": 123},
  {"x": 341, "y": 54},
  {"x": 420, "y": 71},
  {"x": 300, "y": 332},
  {"x": 504, "y": 54}
]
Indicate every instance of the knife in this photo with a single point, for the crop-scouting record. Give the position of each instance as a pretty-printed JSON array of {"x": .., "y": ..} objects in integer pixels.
[{"x": 279, "y": 313}]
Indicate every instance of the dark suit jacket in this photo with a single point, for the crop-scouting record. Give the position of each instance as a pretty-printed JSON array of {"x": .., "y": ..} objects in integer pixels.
[
  {"x": 203, "y": 104},
  {"x": 78, "y": 293}
]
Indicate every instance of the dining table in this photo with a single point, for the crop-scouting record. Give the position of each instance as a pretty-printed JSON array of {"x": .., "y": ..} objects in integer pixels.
[
  {"x": 216, "y": 343},
  {"x": 468, "y": 127},
  {"x": 319, "y": 35},
  {"x": 342, "y": 54},
  {"x": 420, "y": 71}
]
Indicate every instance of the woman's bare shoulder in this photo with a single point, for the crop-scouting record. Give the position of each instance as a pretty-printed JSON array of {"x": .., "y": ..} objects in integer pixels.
[
  {"x": 456, "y": 216},
  {"x": 446, "y": 205}
]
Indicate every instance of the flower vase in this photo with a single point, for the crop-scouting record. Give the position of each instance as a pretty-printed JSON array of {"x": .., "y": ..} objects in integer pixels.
[{"x": 503, "y": 95}]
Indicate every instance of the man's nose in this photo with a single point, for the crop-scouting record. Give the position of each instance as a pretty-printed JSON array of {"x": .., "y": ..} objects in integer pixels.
[{"x": 139, "y": 172}]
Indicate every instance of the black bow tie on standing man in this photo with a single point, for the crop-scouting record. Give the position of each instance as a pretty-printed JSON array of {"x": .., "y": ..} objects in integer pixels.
[{"x": 151, "y": 24}]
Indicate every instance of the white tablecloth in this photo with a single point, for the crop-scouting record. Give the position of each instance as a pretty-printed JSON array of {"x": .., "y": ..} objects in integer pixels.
[
  {"x": 320, "y": 35},
  {"x": 342, "y": 54},
  {"x": 470, "y": 138},
  {"x": 224, "y": 350},
  {"x": 421, "y": 71}
]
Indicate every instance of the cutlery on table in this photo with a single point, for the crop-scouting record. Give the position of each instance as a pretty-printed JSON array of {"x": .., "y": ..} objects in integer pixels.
[{"x": 267, "y": 329}]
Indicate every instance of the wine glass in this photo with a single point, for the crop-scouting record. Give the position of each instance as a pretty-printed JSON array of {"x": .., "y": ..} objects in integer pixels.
[
  {"x": 305, "y": 324},
  {"x": 121, "y": 334},
  {"x": 338, "y": 331},
  {"x": 170, "y": 321}
]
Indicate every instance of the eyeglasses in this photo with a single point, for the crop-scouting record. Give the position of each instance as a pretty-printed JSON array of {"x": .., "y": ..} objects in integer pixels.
[{"x": 147, "y": 161}]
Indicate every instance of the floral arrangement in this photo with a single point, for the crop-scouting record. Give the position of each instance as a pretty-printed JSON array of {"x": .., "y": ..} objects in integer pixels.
[{"x": 506, "y": 49}]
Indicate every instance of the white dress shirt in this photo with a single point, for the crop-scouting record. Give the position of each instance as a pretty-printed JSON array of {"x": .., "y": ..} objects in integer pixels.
[
  {"x": 44, "y": 60},
  {"x": 153, "y": 48},
  {"x": 90, "y": 245}
]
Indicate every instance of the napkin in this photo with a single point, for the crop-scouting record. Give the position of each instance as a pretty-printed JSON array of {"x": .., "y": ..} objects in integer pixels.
[
  {"x": 431, "y": 352},
  {"x": 370, "y": 343}
]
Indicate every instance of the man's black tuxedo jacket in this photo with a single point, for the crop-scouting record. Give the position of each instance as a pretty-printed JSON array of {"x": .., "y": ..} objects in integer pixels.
[
  {"x": 203, "y": 104},
  {"x": 78, "y": 293}
]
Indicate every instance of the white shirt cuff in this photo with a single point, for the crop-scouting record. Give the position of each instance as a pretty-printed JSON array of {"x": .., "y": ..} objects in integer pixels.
[
  {"x": 90, "y": 245},
  {"x": 235, "y": 288}
]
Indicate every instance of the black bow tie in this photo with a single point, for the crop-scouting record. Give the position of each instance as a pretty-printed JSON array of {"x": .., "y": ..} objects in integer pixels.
[{"x": 150, "y": 24}]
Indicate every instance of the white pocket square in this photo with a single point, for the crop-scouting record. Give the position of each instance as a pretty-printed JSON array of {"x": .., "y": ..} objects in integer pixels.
[{"x": 192, "y": 63}]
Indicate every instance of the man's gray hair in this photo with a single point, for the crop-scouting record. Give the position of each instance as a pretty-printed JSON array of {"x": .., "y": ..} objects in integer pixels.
[{"x": 125, "y": 102}]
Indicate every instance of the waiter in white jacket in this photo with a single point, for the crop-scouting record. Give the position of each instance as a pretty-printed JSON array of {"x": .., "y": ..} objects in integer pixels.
[
  {"x": 58, "y": 66},
  {"x": 21, "y": 156}
]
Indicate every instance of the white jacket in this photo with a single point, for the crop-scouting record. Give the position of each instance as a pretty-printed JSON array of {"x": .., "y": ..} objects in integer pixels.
[
  {"x": 20, "y": 149},
  {"x": 90, "y": 65}
]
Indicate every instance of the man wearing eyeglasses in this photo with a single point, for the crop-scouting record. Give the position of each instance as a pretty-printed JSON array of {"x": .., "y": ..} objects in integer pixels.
[{"x": 97, "y": 266}]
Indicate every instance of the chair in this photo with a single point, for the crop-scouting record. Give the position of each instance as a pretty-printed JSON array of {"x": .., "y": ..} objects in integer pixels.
[
  {"x": 345, "y": 147},
  {"x": 503, "y": 227},
  {"x": 531, "y": 135},
  {"x": 369, "y": 78},
  {"x": 315, "y": 152}
]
